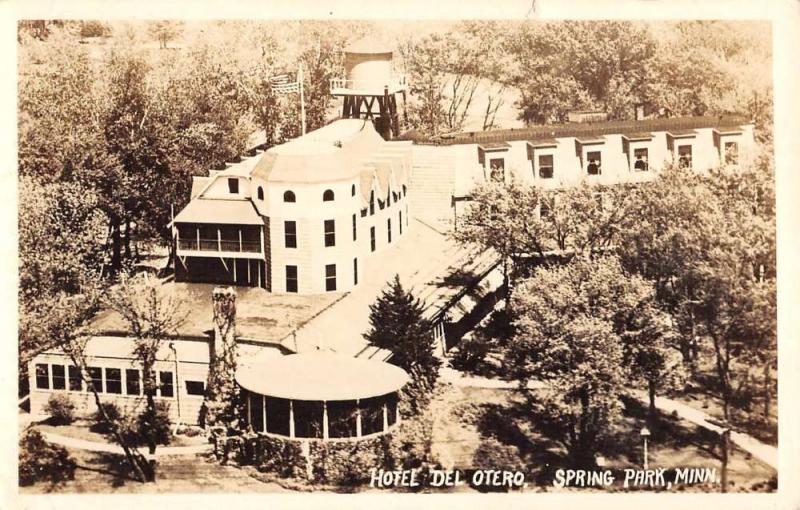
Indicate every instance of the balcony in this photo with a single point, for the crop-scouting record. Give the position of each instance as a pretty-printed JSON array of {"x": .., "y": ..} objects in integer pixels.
[{"x": 342, "y": 86}]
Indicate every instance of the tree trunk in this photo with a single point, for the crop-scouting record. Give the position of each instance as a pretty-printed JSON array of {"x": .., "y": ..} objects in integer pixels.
[
  {"x": 132, "y": 456},
  {"x": 127, "y": 238},
  {"x": 116, "y": 248},
  {"x": 653, "y": 412},
  {"x": 767, "y": 392}
]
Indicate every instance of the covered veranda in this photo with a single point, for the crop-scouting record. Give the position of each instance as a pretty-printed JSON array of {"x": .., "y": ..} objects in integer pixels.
[{"x": 320, "y": 394}]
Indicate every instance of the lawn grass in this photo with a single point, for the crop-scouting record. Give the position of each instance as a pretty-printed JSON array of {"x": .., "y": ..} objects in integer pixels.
[
  {"x": 467, "y": 415},
  {"x": 81, "y": 429}
]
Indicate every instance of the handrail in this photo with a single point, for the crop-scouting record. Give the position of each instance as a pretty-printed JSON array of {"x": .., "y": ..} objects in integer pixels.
[{"x": 395, "y": 80}]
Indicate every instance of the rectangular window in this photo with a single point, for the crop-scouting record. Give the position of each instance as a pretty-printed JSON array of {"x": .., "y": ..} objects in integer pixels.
[
  {"x": 497, "y": 169},
  {"x": 42, "y": 376},
  {"x": 195, "y": 388},
  {"x": 74, "y": 378},
  {"x": 355, "y": 271},
  {"x": 355, "y": 230},
  {"x": 371, "y": 203},
  {"x": 389, "y": 229},
  {"x": 685, "y": 156},
  {"x": 640, "y": 160},
  {"x": 133, "y": 384},
  {"x": 546, "y": 166},
  {"x": 330, "y": 277},
  {"x": 233, "y": 185},
  {"x": 372, "y": 238},
  {"x": 364, "y": 212},
  {"x": 594, "y": 162},
  {"x": 59, "y": 379},
  {"x": 167, "y": 388},
  {"x": 96, "y": 374},
  {"x": 291, "y": 278},
  {"x": 113, "y": 380},
  {"x": 290, "y": 234},
  {"x": 330, "y": 233},
  {"x": 731, "y": 153},
  {"x": 400, "y": 221}
]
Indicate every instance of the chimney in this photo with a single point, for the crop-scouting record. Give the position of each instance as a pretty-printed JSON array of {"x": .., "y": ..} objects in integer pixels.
[{"x": 221, "y": 407}]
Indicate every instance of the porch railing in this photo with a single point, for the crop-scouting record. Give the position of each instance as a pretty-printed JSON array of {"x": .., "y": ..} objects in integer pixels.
[{"x": 219, "y": 245}]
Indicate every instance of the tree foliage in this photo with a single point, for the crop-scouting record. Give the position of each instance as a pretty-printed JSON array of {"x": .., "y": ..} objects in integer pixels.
[{"x": 398, "y": 325}]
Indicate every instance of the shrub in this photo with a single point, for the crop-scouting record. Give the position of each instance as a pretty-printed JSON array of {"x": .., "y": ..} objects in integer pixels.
[
  {"x": 100, "y": 424},
  {"x": 492, "y": 454},
  {"x": 40, "y": 460},
  {"x": 470, "y": 352},
  {"x": 94, "y": 28},
  {"x": 158, "y": 423},
  {"x": 61, "y": 409}
]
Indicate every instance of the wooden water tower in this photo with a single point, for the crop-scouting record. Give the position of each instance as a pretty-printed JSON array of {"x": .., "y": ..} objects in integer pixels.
[{"x": 370, "y": 86}]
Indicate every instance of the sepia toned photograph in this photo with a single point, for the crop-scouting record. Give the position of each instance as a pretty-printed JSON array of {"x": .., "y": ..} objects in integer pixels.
[{"x": 480, "y": 256}]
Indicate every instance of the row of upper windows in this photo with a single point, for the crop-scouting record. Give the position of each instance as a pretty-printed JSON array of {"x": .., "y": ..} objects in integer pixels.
[
  {"x": 290, "y": 197},
  {"x": 108, "y": 380},
  {"x": 329, "y": 229},
  {"x": 543, "y": 165}
]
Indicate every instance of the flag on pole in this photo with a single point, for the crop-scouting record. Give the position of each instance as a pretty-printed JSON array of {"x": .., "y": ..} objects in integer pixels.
[{"x": 281, "y": 84}]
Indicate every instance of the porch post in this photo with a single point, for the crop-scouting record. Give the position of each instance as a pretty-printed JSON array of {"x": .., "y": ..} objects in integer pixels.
[
  {"x": 240, "y": 238},
  {"x": 385, "y": 417},
  {"x": 291, "y": 419},
  {"x": 264, "y": 410},
  {"x": 358, "y": 417},
  {"x": 219, "y": 240},
  {"x": 249, "y": 409},
  {"x": 325, "y": 433},
  {"x": 198, "y": 238}
]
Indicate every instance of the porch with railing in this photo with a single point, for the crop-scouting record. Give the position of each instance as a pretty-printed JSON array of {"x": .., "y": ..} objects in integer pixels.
[{"x": 219, "y": 239}]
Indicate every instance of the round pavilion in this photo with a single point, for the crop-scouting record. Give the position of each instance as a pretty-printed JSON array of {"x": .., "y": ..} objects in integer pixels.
[{"x": 321, "y": 395}]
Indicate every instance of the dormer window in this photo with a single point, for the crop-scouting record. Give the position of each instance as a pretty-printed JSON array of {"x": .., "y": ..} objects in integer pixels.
[
  {"x": 640, "y": 160},
  {"x": 546, "y": 166},
  {"x": 731, "y": 153},
  {"x": 288, "y": 196},
  {"x": 233, "y": 186},
  {"x": 327, "y": 196},
  {"x": 685, "y": 156},
  {"x": 593, "y": 167}
]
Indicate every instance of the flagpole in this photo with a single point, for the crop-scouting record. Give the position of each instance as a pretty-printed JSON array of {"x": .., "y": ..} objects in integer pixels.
[{"x": 302, "y": 97}]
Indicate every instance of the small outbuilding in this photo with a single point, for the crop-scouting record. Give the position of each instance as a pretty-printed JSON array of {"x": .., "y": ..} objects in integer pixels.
[{"x": 321, "y": 394}]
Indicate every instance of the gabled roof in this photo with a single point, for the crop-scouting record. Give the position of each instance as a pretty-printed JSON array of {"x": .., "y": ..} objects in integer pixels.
[{"x": 207, "y": 210}]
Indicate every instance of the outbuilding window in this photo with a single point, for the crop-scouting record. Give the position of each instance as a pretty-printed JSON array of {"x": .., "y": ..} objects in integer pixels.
[
  {"x": 195, "y": 388},
  {"x": 59, "y": 379},
  {"x": 42, "y": 376},
  {"x": 233, "y": 185},
  {"x": 74, "y": 378},
  {"x": 288, "y": 196},
  {"x": 133, "y": 384},
  {"x": 96, "y": 374},
  {"x": 113, "y": 380},
  {"x": 327, "y": 196},
  {"x": 167, "y": 388},
  {"x": 640, "y": 157}
]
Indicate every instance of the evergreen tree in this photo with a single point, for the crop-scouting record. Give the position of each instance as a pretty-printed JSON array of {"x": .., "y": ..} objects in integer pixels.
[{"x": 397, "y": 324}]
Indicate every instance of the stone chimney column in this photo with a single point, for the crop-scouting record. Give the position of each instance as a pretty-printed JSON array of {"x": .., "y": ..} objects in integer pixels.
[{"x": 222, "y": 404}]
